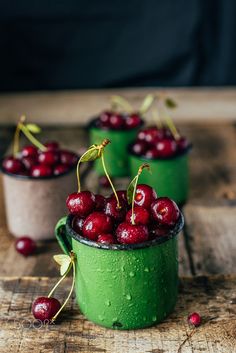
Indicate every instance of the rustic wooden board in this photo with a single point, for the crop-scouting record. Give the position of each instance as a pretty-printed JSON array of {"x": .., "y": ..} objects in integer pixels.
[
  {"x": 73, "y": 107},
  {"x": 212, "y": 238},
  {"x": 214, "y": 298}
]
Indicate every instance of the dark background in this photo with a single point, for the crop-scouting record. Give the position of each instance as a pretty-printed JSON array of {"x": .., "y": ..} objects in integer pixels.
[{"x": 95, "y": 44}]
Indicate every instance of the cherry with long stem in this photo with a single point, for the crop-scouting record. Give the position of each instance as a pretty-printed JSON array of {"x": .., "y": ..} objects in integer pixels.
[{"x": 133, "y": 186}]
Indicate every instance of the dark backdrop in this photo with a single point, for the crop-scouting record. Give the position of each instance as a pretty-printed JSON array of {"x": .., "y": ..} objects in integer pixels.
[{"x": 95, "y": 43}]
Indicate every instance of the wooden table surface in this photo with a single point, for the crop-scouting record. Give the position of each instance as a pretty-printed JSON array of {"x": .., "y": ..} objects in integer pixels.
[{"x": 207, "y": 249}]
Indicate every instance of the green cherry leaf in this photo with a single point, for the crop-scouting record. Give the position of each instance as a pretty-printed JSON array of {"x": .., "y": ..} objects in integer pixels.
[
  {"x": 90, "y": 155},
  {"x": 64, "y": 261},
  {"x": 130, "y": 190},
  {"x": 146, "y": 104},
  {"x": 35, "y": 129},
  {"x": 170, "y": 103}
]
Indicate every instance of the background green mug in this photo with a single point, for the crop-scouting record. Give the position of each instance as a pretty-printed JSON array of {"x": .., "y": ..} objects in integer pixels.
[
  {"x": 169, "y": 177},
  {"x": 116, "y": 152},
  {"x": 124, "y": 286}
]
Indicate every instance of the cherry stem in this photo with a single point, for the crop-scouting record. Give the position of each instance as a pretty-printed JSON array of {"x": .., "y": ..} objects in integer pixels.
[
  {"x": 109, "y": 179},
  {"x": 31, "y": 138},
  {"x": 157, "y": 119},
  {"x": 171, "y": 126},
  {"x": 146, "y": 104},
  {"x": 16, "y": 142},
  {"x": 71, "y": 290},
  {"x": 60, "y": 280},
  {"x": 135, "y": 180},
  {"x": 122, "y": 102}
]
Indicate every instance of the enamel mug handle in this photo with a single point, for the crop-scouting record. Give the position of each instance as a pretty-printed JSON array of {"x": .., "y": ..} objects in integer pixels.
[{"x": 63, "y": 239}]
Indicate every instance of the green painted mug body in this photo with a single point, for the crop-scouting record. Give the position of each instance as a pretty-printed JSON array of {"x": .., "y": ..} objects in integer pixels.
[
  {"x": 124, "y": 286},
  {"x": 169, "y": 177},
  {"x": 116, "y": 152}
]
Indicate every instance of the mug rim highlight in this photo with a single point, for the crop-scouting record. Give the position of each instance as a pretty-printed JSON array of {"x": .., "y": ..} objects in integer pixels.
[{"x": 158, "y": 241}]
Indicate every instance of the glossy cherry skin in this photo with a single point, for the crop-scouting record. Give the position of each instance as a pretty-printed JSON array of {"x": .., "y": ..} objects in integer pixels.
[
  {"x": 45, "y": 308},
  {"x": 165, "y": 211},
  {"x": 133, "y": 121},
  {"x": 29, "y": 151},
  {"x": 52, "y": 145},
  {"x": 104, "y": 182},
  {"x": 111, "y": 209},
  {"x": 97, "y": 223},
  {"x": 41, "y": 170},
  {"x": 122, "y": 195},
  {"x": 153, "y": 135},
  {"x": 69, "y": 158},
  {"x": 29, "y": 162},
  {"x": 60, "y": 169},
  {"x": 166, "y": 148},
  {"x": 194, "y": 319},
  {"x": 49, "y": 157},
  {"x": 81, "y": 203},
  {"x": 100, "y": 202},
  {"x": 152, "y": 153},
  {"x": 116, "y": 121},
  {"x": 77, "y": 224},
  {"x": 139, "y": 148},
  {"x": 106, "y": 239},
  {"x": 12, "y": 165},
  {"x": 105, "y": 118},
  {"x": 131, "y": 234},
  {"x": 25, "y": 246},
  {"x": 144, "y": 196},
  {"x": 141, "y": 216}
]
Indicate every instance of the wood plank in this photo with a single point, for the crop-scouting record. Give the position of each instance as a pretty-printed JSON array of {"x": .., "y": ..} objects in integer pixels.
[
  {"x": 211, "y": 234},
  {"x": 77, "y": 106},
  {"x": 214, "y": 298}
]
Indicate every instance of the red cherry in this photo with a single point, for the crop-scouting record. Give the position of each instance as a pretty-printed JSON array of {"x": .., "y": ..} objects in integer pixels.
[
  {"x": 182, "y": 144},
  {"x": 95, "y": 224},
  {"x": 41, "y": 170},
  {"x": 52, "y": 145},
  {"x": 166, "y": 148},
  {"x": 106, "y": 239},
  {"x": 116, "y": 121},
  {"x": 77, "y": 224},
  {"x": 139, "y": 148},
  {"x": 69, "y": 158},
  {"x": 131, "y": 234},
  {"x": 122, "y": 195},
  {"x": 105, "y": 118},
  {"x": 81, "y": 203},
  {"x": 44, "y": 308},
  {"x": 157, "y": 231},
  {"x": 133, "y": 121},
  {"x": 165, "y": 211},
  {"x": 104, "y": 182},
  {"x": 194, "y": 319},
  {"x": 29, "y": 151},
  {"x": 111, "y": 209},
  {"x": 29, "y": 162},
  {"x": 153, "y": 134},
  {"x": 144, "y": 196},
  {"x": 100, "y": 202},
  {"x": 12, "y": 165},
  {"x": 152, "y": 153},
  {"x": 60, "y": 169},
  {"x": 48, "y": 157},
  {"x": 141, "y": 216},
  {"x": 25, "y": 246}
]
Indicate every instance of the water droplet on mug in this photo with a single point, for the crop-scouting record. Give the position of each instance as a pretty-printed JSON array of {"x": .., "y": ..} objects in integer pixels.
[
  {"x": 122, "y": 269},
  {"x": 101, "y": 317},
  {"x": 115, "y": 319},
  {"x": 154, "y": 318},
  {"x": 108, "y": 303},
  {"x": 144, "y": 318},
  {"x": 131, "y": 274},
  {"x": 128, "y": 296},
  {"x": 146, "y": 269}
]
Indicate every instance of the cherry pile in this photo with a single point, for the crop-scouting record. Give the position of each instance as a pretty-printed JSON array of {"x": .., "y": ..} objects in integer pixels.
[
  {"x": 116, "y": 121},
  {"x": 153, "y": 143},
  {"x": 100, "y": 219},
  {"x": 31, "y": 161}
]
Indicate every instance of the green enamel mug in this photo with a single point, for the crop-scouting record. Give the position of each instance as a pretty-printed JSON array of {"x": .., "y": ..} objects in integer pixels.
[
  {"x": 170, "y": 177},
  {"x": 124, "y": 286},
  {"x": 116, "y": 152}
]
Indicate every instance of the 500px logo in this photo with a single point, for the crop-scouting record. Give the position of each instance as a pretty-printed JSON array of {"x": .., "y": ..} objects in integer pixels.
[{"x": 32, "y": 324}]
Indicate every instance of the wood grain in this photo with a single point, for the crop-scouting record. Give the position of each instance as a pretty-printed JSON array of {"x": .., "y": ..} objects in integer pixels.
[
  {"x": 76, "y": 107},
  {"x": 214, "y": 298},
  {"x": 211, "y": 234}
]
